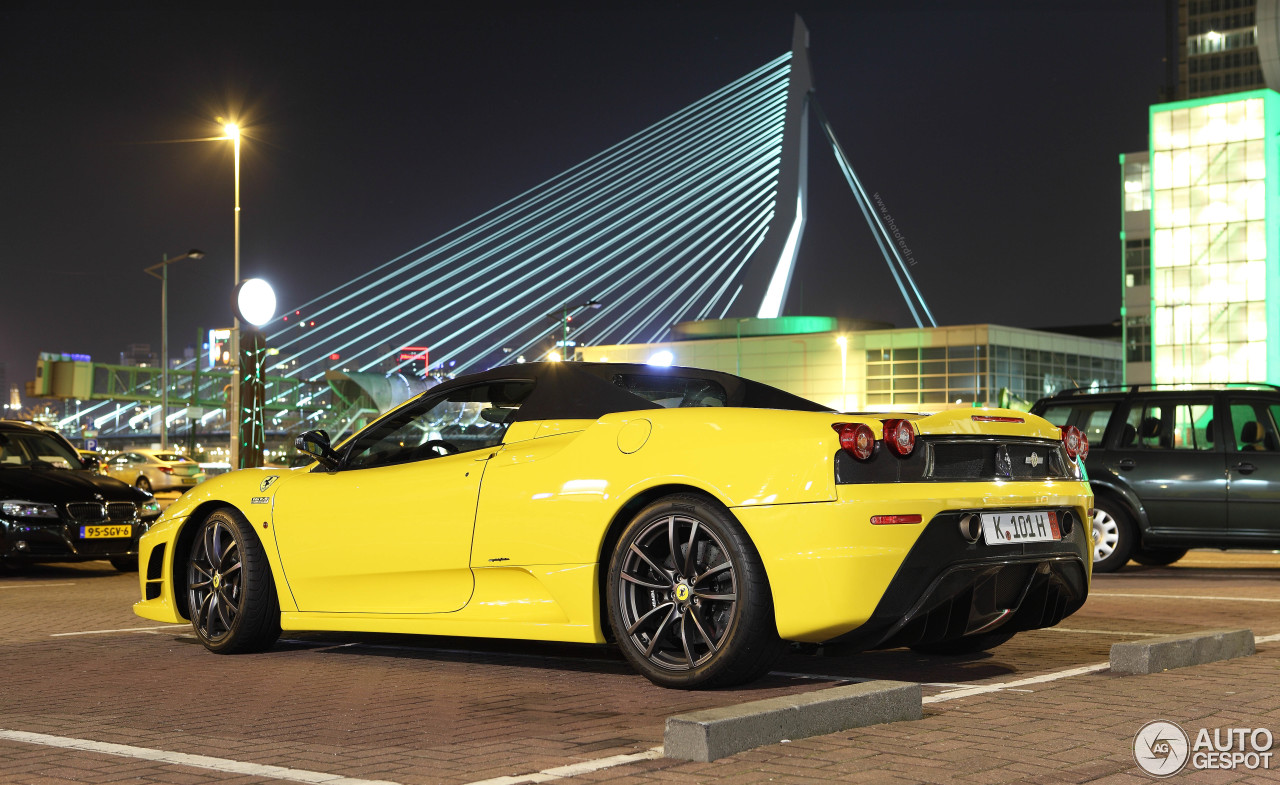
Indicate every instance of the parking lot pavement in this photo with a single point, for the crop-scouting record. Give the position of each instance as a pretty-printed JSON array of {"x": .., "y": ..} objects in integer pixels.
[{"x": 80, "y": 669}]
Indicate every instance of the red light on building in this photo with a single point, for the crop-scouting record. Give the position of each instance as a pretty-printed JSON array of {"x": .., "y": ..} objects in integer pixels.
[{"x": 335, "y": 357}]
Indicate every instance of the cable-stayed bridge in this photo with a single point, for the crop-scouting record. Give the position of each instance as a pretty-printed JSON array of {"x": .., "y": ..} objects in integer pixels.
[{"x": 701, "y": 215}]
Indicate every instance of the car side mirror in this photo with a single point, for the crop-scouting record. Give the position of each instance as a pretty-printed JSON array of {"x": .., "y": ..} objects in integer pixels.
[
  {"x": 316, "y": 444},
  {"x": 90, "y": 462}
]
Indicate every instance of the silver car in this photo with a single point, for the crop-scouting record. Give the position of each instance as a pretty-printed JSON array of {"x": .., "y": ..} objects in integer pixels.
[{"x": 155, "y": 470}]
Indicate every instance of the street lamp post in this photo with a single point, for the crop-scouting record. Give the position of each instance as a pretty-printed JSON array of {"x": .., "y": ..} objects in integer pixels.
[
  {"x": 843, "y": 343},
  {"x": 567, "y": 311},
  {"x": 233, "y": 405},
  {"x": 163, "y": 275}
]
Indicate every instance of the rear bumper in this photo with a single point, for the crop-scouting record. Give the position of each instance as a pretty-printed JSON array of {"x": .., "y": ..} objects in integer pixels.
[{"x": 836, "y": 576}]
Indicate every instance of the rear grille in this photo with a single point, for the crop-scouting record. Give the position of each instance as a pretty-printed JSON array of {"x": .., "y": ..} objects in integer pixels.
[
  {"x": 960, "y": 459},
  {"x": 121, "y": 511},
  {"x": 86, "y": 511}
]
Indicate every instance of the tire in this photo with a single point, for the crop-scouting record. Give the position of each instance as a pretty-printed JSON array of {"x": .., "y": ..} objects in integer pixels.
[
  {"x": 713, "y": 627},
  {"x": 970, "y": 644},
  {"x": 1158, "y": 557},
  {"x": 143, "y": 484},
  {"x": 125, "y": 563},
  {"x": 1113, "y": 536},
  {"x": 231, "y": 595}
]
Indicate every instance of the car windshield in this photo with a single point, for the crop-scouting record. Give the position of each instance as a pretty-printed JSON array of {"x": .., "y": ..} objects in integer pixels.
[
  {"x": 169, "y": 457},
  {"x": 35, "y": 451}
]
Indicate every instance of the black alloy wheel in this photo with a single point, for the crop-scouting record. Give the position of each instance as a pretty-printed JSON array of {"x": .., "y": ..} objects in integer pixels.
[
  {"x": 231, "y": 597},
  {"x": 689, "y": 602}
]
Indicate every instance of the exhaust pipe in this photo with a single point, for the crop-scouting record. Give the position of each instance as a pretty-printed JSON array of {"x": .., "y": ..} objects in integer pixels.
[
  {"x": 1068, "y": 522},
  {"x": 970, "y": 528}
]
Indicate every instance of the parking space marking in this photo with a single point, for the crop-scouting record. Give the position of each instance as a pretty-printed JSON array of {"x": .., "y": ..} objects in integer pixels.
[
  {"x": 1185, "y": 597},
  {"x": 36, "y": 585},
  {"x": 183, "y": 759},
  {"x": 983, "y": 689},
  {"x": 1105, "y": 632},
  {"x": 125, "y": 629},
  {"x": 1267, "y": 639},
  {"x": 573, "y": 769}
]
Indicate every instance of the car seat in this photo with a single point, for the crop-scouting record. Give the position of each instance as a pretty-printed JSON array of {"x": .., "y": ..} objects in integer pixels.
[{"x": 1253, "y": 437}]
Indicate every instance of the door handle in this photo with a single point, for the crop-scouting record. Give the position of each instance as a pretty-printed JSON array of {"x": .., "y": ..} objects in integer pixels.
[
  {"x": 1128, "y": 463},
  {"x": 1246, "y": 468}
]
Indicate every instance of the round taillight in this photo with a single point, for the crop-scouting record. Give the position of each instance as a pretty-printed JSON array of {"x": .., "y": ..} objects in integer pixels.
[
  {"x": 900, "y": 436},
  {"x": 1084, "y": 446},
  {"x": 1074, "y": 441},
  {"x": 856, "y": 438}
]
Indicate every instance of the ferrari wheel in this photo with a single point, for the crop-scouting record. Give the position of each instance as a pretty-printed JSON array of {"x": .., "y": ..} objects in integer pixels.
[
  {"x": 231, "y": 596},
  {"x": 689, "y": 602}
]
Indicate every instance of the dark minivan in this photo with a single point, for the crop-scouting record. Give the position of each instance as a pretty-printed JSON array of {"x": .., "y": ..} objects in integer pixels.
[
  {"x": 1173, "y": 469},
  {"x": 55, "y": 507}
]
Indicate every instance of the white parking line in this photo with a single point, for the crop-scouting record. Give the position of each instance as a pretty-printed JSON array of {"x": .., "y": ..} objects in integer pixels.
[
  {"x": 573, "y": 769},
  {"x": 36, "y": 585},
  {"x": 1185, "y": 597},
  {"x": 1104, "y": 632},
  {"x": 183, "y": 759},
  {"x": 1268, "y": 639},
  {"x": 126, "y": 629},
  {"x": 982, "y": 689}
]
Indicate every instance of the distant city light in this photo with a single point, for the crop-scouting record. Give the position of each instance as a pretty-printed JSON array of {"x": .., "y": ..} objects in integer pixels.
[{"x": 662, "y": 358}]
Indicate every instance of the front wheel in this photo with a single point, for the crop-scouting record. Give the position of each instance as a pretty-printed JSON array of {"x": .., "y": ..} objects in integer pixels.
[
  {"x": 125, "y": 563},
  {"x": 1113, "y": 536},
  {"x": 689, "y": 602},
  {"x": 231, "y": 596}
]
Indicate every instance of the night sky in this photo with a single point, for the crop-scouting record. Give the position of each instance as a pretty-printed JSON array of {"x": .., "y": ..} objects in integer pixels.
[{"x": 990, "y": 130}]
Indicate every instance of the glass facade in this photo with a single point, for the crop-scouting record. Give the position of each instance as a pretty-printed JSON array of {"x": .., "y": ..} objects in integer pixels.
[
  {"x": 1209, "y": 248},
  {"x": 964, "y": 374}
]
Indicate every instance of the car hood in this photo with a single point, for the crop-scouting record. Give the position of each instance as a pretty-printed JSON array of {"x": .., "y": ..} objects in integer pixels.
[{"x": 54, "y": 486}]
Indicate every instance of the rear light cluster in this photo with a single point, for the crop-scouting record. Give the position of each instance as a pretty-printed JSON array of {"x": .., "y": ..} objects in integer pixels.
[
  {"x": 859, "y": 440},
  {"x": 1075, "y": 442}
]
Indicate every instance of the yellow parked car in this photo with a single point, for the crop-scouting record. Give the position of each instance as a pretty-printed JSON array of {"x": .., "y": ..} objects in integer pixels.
[{"x": 697, "y": 519}]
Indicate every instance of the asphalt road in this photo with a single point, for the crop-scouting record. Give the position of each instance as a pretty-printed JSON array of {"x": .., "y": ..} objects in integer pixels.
[{"x": 91, "y": 693}]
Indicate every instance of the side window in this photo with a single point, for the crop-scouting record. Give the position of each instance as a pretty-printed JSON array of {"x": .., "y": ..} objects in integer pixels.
[
  {"x": 1254, "y": 426},
  {"x": 1145, "y": 427},
  {"x": 468, "y": 418},
  {"x": 673, "y": 391},
  {"x": 1193, "y": 426},
  {"x": 1091, "y": 418}
]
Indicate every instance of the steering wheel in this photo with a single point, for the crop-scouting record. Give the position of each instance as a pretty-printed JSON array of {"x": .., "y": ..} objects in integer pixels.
[{"x": 440, "y": 446}]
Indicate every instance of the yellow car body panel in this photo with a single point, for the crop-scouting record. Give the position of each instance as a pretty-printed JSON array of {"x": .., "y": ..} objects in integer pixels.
[{"x": 507, "y": 541}]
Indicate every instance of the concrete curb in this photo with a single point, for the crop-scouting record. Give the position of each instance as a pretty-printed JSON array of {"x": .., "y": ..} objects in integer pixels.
[
  {"x": 1178, "y": 651},
  {"x": 714, "y": 733}
]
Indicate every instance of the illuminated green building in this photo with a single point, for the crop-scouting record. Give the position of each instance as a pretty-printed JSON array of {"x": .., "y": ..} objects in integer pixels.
[{"x": 1214, "y": 249}]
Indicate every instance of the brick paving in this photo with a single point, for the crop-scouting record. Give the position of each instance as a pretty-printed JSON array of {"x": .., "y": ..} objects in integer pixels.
[{"x": 437, "y": 710}]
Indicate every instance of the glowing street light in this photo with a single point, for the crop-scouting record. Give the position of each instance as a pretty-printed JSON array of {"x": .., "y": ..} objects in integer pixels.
[
  {"x": 233, "y": 406},
  {"x": 566, "y": 313},
  {"x": 163, "y": 275},
  {"x": 843, "y": 343}
]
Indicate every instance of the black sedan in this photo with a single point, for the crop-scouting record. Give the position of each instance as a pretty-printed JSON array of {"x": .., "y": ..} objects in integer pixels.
[{"x": 55, "y": 508}]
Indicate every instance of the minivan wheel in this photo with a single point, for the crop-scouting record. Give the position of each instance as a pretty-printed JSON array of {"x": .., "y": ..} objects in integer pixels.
[{"x": 1113, "y": 536}]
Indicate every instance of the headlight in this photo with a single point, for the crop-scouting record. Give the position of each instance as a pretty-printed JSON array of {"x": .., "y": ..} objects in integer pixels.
[
  {"x": 150, "y": 508},
  {"x": 21, "y": 509}
]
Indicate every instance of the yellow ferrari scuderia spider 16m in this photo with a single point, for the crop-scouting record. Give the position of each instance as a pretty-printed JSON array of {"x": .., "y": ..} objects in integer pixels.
[{"x": 698, "y": 519}]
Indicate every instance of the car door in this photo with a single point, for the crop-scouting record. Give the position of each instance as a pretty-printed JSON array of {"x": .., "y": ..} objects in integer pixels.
[
  {"x": 1253, "y": 469},
  {"x": 1170, "y": 454},
  {"x": 390, "y": 530},
  {"x": 123, "y": 466}
]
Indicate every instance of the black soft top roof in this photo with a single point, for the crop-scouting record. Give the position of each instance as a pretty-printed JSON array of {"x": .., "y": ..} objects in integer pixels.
[{"x": 587, "y": 391}]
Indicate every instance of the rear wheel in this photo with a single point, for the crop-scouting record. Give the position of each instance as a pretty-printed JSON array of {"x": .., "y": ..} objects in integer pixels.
[
  {"x": 970, "y": 644},
  {"x": 1113, "y": 536},
  {"x": 689, "y": 602},
  {"x": 1159, "y": 557},
  {"x": 231, "y": 596}
]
